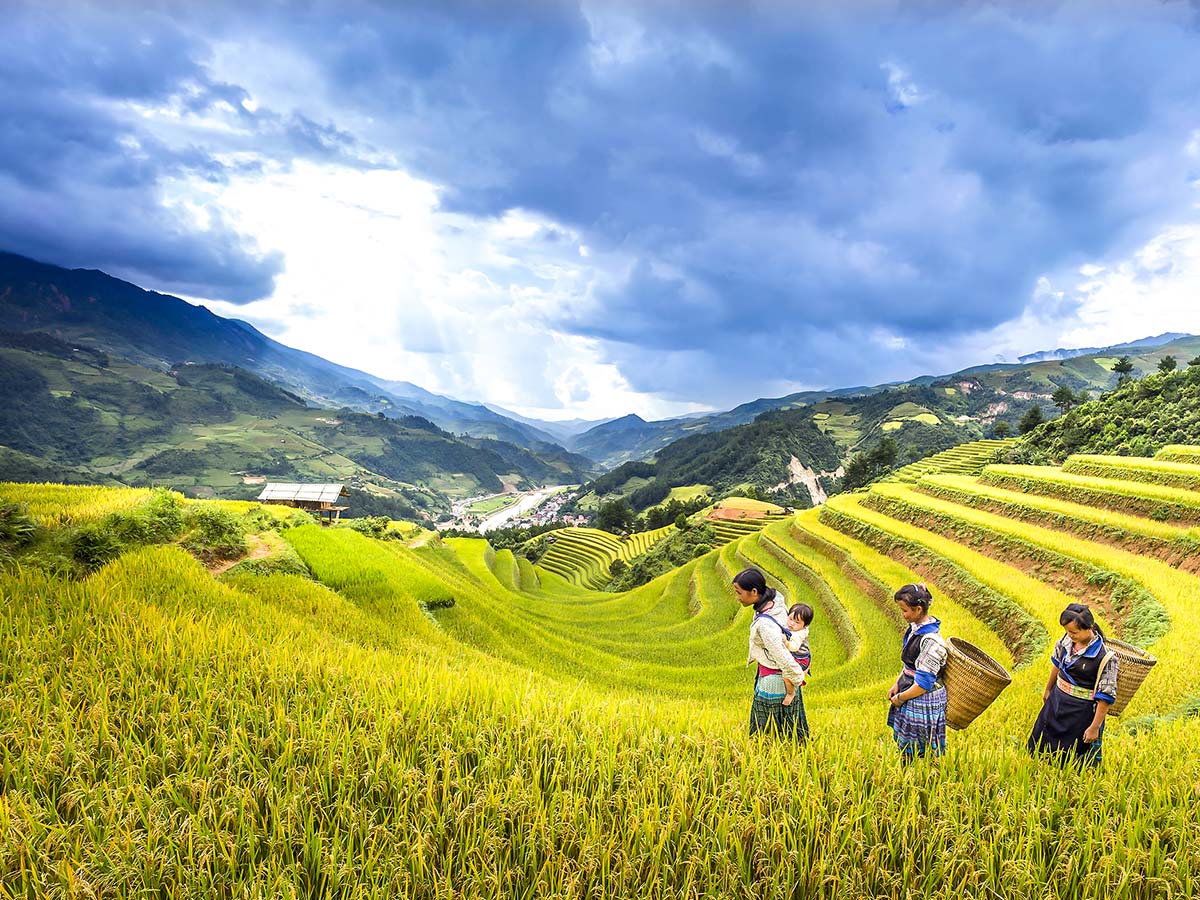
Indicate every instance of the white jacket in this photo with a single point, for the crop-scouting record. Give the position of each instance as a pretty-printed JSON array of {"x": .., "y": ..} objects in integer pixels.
[{"x": 767, "y": 644}]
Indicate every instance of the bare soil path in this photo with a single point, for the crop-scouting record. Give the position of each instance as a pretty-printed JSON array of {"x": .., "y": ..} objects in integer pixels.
[{"x": 258, "y": 549}]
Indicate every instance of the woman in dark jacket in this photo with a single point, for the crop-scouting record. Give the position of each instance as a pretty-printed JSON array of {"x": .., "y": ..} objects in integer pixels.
[{"x": 1082, "y": 685}]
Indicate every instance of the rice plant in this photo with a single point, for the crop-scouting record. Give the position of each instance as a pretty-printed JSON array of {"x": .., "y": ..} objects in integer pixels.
[{"x": 448, "y": 721}]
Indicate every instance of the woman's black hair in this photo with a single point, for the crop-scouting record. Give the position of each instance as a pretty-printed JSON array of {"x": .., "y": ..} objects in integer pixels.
[
  {"x": 1081, "y": 615},
  {"x": 915, "y": 596},
  {"x": 752, "y": 579}
]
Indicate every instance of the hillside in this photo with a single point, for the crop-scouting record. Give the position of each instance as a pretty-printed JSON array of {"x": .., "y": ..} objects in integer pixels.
[
  {"x": 76, "y": 414},
  {"x": 159, "y": 332},
  {"x": 207, "y": 715},
  {"x": 920, "y": 418},
  {"x": 976, "y": 398},
  {"x": 1136, "y": 419},
  {"x": 765, "y": 452}
]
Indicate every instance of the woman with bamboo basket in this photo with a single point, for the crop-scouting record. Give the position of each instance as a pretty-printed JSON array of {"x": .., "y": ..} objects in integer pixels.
[
  {"x": 1082, "y": 686},
  {"x": 918, "y": 698}
]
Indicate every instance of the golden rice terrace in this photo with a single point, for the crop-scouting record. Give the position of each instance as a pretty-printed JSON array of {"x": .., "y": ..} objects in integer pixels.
[{"x": 380, "y": 719}]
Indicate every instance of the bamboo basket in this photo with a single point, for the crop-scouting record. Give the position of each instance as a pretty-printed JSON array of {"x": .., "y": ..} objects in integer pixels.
[
  {"x": 1133, "y": 665},
  {"x": 973, "y": 680}
]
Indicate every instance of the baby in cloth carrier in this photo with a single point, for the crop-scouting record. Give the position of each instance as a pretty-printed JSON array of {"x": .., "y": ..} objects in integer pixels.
[{"x": 800, "y": 616}]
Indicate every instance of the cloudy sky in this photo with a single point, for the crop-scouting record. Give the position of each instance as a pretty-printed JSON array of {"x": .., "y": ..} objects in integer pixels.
[{"x": 591, "y": 209}]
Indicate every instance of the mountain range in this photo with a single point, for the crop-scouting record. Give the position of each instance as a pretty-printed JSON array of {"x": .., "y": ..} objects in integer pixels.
[
  {"x": 633, "y": 438},
  {"x": 769, "y": 444},
  {"x": 159, "y": 331},
  {"x": 59, "y": 324}
]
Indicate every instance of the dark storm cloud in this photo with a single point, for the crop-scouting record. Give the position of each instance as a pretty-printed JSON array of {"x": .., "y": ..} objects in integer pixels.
[
  {"x": 812, "y": 179},
  {"x": 82, "y": 177},
  {"x": 811, "y": 184}
]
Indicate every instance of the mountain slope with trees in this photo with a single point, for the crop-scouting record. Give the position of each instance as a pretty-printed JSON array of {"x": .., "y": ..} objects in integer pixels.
[
  {"x": 878, "y": 431},
  {"x": 1137, "y": 418},
  {"x": 982, "y": 395},
  {"x": 159, "y": 331},
  {"x": 78, "y": 414}
]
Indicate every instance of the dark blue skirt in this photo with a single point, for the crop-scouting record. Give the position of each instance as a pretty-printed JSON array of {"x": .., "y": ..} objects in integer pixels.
[
  {"x": 1060, "y": 726},
  {"x": 768, "y": 715}
]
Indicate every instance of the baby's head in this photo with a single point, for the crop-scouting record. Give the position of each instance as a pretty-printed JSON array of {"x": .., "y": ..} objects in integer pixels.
[{"x": 800, "y": 615}]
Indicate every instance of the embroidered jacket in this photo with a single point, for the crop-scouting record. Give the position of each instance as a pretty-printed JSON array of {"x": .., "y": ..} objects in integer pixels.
[
  {"x": 924, "y": 654},
  {"x": 1082, "y": 667}
]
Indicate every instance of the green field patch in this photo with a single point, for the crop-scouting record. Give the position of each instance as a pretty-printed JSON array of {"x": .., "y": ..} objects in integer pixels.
[
  {"x": 492, "y": 505},
  {"x": 908, "y": 410},
  {"x": 689, "y": 492}
]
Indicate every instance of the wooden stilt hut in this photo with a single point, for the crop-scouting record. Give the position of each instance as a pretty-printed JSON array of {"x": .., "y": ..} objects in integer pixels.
[{"x": 316, "y": 498}]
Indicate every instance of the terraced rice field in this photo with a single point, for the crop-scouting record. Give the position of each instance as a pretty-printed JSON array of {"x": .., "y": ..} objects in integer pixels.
[
  {"x": 451, "y": 721},
  {"x": 583, "y": 556},
  {"x": 965, "y": 459},
  {"x": 1179, "y": 453},
  {"x": 56, "y": 505}
]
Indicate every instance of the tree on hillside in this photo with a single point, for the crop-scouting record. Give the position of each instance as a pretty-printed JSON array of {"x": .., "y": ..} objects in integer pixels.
[
  {"x": 1194, "y": 362},
  {"x": 1123, "y": 367},
  {"x": 1167, "y": 364},
  {"x": 614, "y": 516},
  {"x": 884, "y": 455},
  {"x": 1002, "y": 430},
  {"x": 863, "y": 468},
  {"x": 1031, "y": 419},
  {"x": 1064, "y": 398}
]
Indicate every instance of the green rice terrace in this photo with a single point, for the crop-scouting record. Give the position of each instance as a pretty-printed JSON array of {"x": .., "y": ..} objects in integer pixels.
[
  {"x": 584, "y": 556},
  {"x": 965, "y": 459},
  {"x": 343, "y": 716}
]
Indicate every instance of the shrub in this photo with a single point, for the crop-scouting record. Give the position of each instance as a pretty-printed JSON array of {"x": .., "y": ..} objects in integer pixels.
[
  {"x": 156, "y": 521},
  {"x": 372, "y": 526},
  {"x": 17, "y": 529},
  {"x": 213, "y": 534},
  {"x": 94, "y": 544}
]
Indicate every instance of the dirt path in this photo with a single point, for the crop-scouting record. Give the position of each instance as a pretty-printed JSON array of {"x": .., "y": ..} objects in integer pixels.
[{"x": 258, "y": 549}]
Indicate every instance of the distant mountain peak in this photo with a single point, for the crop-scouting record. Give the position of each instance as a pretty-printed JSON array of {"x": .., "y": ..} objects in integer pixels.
[
  {"x": 626, "y": 421},
  {"x": 1146, "y": 343}
]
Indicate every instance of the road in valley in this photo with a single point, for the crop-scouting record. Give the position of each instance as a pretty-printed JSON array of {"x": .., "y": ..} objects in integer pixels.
[{"x": 529, "y": 501}]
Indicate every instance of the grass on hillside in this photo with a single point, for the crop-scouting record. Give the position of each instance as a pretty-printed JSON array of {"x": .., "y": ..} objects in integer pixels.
[{"x": 449, "y": 721}]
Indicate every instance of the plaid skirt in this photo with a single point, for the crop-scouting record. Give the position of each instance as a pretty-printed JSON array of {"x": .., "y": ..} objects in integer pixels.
[
  {"x": 919, "y": 725},
  {"x": 769, "y": 715}
]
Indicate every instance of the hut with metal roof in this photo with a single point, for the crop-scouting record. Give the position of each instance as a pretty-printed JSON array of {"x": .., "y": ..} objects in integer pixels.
[{"x": 317, "y": 498}]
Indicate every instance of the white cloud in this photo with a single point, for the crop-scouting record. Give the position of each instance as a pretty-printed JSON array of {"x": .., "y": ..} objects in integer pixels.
[
  {"x": 901, "y": 88},
  {"x": 1156, "y": 290},
  {"x": 379, "y": 278},
  {"x": 1100, "y": 303},
  {"x": 726, "y": 147}
]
